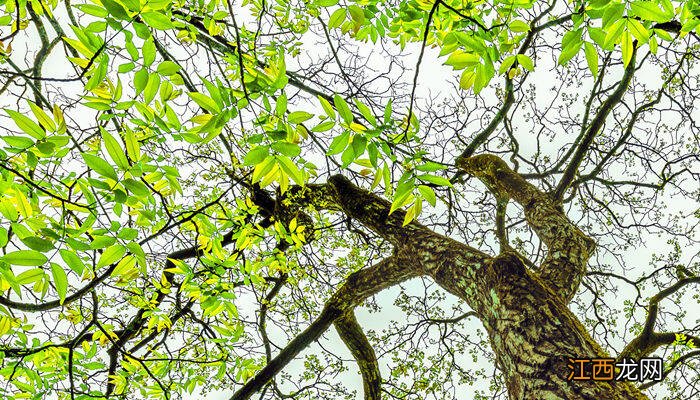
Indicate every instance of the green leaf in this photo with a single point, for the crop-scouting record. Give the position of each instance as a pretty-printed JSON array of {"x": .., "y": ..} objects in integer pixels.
[
  {"x": 111, "y": 255},
  {"x": 115, "y": 9},
  {"x": 400, "y": 201},
  {"x": 157, "y": 20},
  {"x": 136, "y": 187},
  {"x": 18, "y": 142},
  {"x": 298, "y": 117},
  {"x": 627, "y": 47},
  {"x": 359, "y": 143},
  {"x": 140, "y": 80},
  {"x": 505, "y": 65},
  {"x": 430, "y": 166},
  {"x": 291, "y": 169},
  {"x": 281, "y": 105},
  {"x": 60, "y": 280},
  {"x": 526, "y": 62},
  {"x": 132, "y": 145},
  {"x": 125, "y": 267},
  {"x": 205, "y": 102},
  {"x": 467, "y": 79},
  {"x": 597, "y": 35},
  {"x": 100, "y": 166},
  {"x": 44, "y": 120},
  {"x": 410, "y": 214},
  {"x": 638, "y": 30},
  {"x": 460, "y": 60},
  {"x": 327, "y": 107},
  {"x": 92, "y": 9},
  {"x": 26, "y": 125},
  {"x": 37, "y": 243},
  {"x": 343, "y": 108},
  {"x": 322, "y": 127},
  {"x": 30, "y": 258},
  {"x": 149, "y": 92},
  {"x": 168, "y": 68},
  {"x": 615, "y": 33},
  {"x": 438, "y": 180},
  {"x": 366, "y": 112},
  {"x": 519, "y": 26},
  {"x": 338, "y": 144},
  {"x": 286, "y": 148},
  {"x": 357, "y": 14},
  {"x": 263, "y": 168},
  {"x": 114, "y": 149},
  {"x": 348, "y": 156},
  {"x": 428, "y": 193},
  {"x": 649, "y": 11},
  {"x": 591, "y": 57},
  {"x": 256, "y": 155},
  {"x": 30, "y": 276},
  {"x": 388, "y": 111},
  {"x": 337, "y": 18},
  {"x": 73, "y": 261},
  {"x": 570, "y": 45}
]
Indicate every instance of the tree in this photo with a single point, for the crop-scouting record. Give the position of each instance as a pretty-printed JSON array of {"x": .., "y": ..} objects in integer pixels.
[{"x": 195, "y": 193}]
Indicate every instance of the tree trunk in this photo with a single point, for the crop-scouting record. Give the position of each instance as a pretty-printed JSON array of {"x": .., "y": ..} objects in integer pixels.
[{"x": 532, "y": 332}]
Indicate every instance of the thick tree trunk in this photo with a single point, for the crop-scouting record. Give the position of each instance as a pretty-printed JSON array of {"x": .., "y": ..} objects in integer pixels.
[{"x": 532, "y": 332}]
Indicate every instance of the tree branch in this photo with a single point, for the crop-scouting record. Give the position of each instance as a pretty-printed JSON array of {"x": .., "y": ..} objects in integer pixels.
[
  {"x": 568, "y": 247},
  {"x": 351, "y": 334}
]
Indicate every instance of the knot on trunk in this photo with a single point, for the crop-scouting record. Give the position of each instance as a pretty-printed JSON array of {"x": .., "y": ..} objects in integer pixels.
[{"x": 508, "y": 264}]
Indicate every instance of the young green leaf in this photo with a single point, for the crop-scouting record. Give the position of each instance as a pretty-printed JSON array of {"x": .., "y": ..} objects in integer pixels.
[
  {"x": 30, "y": 258},
  {"x": 111, "y": 255},
  {"x": 60, "y": 280},
  {"x": 30, "y": 276},
  {"x": 157, "y": 20},
  {"x": 286, "y": 148},
  {"x": 438, "y": 180},
  {"x": 256, "y": 155},
  {"x": 337, "y": 18},
  {"x": 28, "y": 126},
  {"x": 100, "y": 166},
  {"x": 205, "y": 102},
  {"x": 343, "y": 108},
  {"x": 291, "y": 169},
  {"x": 298, "y": 117},
  {"x": 73, "y": 261},
  {"x": 114, "y": 149},
  {"x": 366, "y": 112},
  {"x": 526, "y": 62},
  {"x": 591, "y": 57},
  {"x": 168, "y": 68},
  {"x": 428, "y": 193},
  {"x": 44, "y": 120}
]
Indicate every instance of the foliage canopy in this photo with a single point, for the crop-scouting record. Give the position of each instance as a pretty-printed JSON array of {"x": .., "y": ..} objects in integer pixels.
[{"x": 193, "y": 192}]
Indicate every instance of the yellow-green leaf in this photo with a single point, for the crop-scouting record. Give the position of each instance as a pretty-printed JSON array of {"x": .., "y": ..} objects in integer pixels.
[
  {"x": 24, "y": 123},
  {"x": 25, "y": 257},
  {"x": 43, "y": 117},
  {"x": 111, "y": 255},
  {"x": 60, "y": 281},
  {"x": 114, "y": 149},
  {"x": 30, "y": 276}
]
